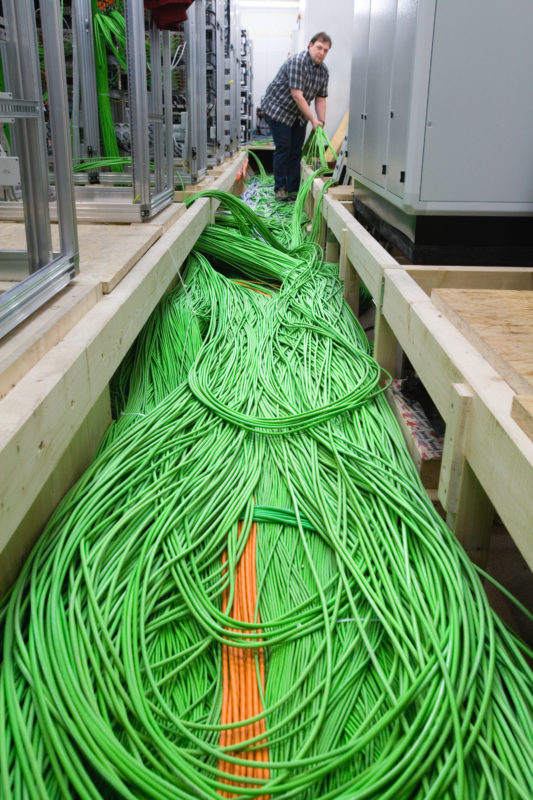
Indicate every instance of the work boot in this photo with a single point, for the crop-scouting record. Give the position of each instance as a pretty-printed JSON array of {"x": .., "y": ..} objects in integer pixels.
[{"x": 281, "y": 193}]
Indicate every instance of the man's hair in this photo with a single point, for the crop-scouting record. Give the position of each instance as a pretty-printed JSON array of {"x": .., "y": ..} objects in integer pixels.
[{"x": 321, "y": 37}]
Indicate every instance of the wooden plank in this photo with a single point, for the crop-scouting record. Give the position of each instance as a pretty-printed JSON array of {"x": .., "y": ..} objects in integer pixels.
[
  {"x": 25, "y": 345},
  {"x": 430, "y": 278},
  {"x": 41, "y": 415},
  {"x": 453, "y": 455},
  {"x": 473, "y": 520},
  {"x": 469, "y": 512},
  {"x": 497, "y": 450},
  {"x": 522, "y": 413},
  {"x": 108, "y": 252},
  {"x": 500, "y": 325},
  {"x": 368, "y": 257},
  {"x": 71, "y": 465},
  {"x": 349, "y": 276},
  {"x": 386, "y": 347},
  {"x": 344, "y": 194},
  {"x": 338, "y": 136}
]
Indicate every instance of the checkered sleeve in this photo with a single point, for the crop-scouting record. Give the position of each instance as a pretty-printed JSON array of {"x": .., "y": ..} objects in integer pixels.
[
  {"x": 323, "y": 89},
  {"x": 295, "y": 73}
]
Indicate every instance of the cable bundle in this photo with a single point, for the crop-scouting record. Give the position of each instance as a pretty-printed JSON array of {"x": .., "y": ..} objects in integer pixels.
[{"x": 254, "y": 505}]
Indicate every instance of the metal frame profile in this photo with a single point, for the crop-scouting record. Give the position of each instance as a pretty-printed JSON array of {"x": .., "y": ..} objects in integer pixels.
[
  {"x": 215, "y": 70},
  {"x": 84, "y": 79},
  {"x": 194, "y": 30},
  {"x": 149, "y": 108},
  {"x": 47, "y": 272}
]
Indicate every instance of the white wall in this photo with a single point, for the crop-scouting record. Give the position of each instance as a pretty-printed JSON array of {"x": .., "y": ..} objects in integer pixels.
[
  {"x": 271, "y": 32},
  {"x": 276, "y": 32}
]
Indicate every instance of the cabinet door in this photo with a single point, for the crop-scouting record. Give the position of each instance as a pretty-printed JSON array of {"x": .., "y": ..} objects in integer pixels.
[
  {"x": 401, "y": 83},
  {"x": 356, "y": 125},
  {"x": 478, "y": 142},
  {"x": 378, "y": 86}
]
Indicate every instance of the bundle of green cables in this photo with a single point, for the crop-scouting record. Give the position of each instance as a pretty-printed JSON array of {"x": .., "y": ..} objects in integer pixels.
[{"x": 251, "y": 397}]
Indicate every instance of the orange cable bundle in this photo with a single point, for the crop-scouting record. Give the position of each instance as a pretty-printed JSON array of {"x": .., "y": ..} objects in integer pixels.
[{"x": 241, "y": 699}]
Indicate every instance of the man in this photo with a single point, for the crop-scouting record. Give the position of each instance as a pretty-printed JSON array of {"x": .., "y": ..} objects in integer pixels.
[{"x": 286, "y": 106}]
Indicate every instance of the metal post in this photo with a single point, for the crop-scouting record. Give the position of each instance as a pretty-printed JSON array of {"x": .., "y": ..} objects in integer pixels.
[
  {"x": 138, "y": 102},
  {"x": 201, "y": 87},
  {"x": 54, "y": 57},
  {"x": 82, "y": 29},
  {"x": 23, "y": 79},
  {"x": 220, "y": 80},
  {"x": 167, "y": 106},
  {"x": 192, "y": 105},
  {"x": 155, "y": 105}
]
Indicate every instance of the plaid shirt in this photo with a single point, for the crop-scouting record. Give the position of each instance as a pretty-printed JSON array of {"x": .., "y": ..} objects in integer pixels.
[{"x": 298, "y": 72}]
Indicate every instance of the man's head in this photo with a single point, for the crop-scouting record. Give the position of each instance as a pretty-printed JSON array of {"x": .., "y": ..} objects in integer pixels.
[{"x": 319, "y": 47}]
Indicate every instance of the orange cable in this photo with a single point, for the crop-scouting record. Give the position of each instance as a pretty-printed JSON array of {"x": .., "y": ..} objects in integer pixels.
[{"x": 241, "y": 698}]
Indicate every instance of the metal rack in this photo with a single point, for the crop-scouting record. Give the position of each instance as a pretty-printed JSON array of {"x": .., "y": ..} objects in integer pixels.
[
  {"x": 194, "y": 32},
  {"x": 41, "y": 272},
  {"x": 84, "y": 96},
  {"x": 149, "y": 186},
  {"x": 146, "y": 109},
  {"x": 246, "y": 81},
  {"x": 232, "y": 52},
  {"x": 214, "y": 31}
]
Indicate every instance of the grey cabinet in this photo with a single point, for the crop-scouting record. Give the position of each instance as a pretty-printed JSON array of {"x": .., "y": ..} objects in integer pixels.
[{"x": 441, "y": 108}]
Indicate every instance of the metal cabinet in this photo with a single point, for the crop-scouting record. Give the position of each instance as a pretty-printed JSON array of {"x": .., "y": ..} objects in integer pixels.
[
  {"x": 356, "y": 130},
  {"x": 441, "y": 107}
]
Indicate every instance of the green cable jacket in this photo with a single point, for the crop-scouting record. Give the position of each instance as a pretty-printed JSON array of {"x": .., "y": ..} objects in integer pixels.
[{"x": 251, "y": 395}]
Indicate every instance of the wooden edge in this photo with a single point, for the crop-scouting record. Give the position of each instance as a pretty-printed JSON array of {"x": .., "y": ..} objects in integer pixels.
[
  {"x": 429, "y": 278},
  {"x": 109, "y": 285},
  {"x": 454, "y": 446},
  {"x": 343, "y": 194},
  {"x": 441, "y": 300},
  {"x": 367, "y": 256},
  {"x": 21, "y": 349},
  {"x": 338, "y": 136},
  {"x": 522, "y": 413},
  {"x": 69, "y": 469},
  {"x": 40, "y": 416},
  {"x": 497, "y": 450},
  {"x": 172, "y": 215}
]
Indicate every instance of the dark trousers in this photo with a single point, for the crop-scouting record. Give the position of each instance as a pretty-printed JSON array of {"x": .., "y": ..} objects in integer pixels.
[{"x": 288, "y": 141}]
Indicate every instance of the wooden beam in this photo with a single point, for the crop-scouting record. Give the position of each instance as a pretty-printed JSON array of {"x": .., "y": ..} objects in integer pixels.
[
  {"x": 338, "y": 137},
  {"x": 70, "y": 466},
  {"x": 522, "y": 413},
  {"x": 499, "y": 454},
  {"x": 368, "y": 257},
  {"x": 41, "y": 414},
  {"x": 430, "y": 278},
  {"x": 349, "y": 276}
]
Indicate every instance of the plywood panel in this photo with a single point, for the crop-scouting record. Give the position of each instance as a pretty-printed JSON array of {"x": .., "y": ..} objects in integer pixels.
[{"x": 500, "y": 325}]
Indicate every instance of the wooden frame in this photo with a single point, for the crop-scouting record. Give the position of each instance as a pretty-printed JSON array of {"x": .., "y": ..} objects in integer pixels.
[{"x": 487, "y": 458}]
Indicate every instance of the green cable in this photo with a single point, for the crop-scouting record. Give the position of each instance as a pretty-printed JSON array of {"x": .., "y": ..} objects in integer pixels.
[{"x": 251, "y": 395}]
